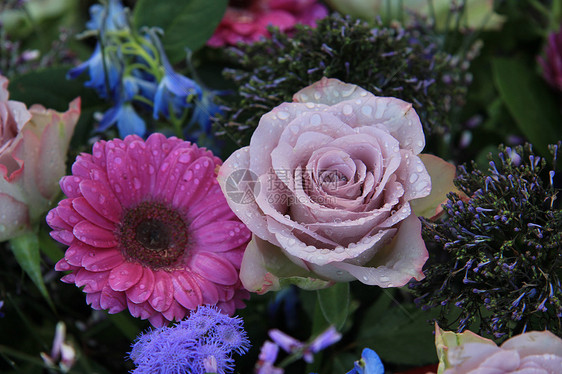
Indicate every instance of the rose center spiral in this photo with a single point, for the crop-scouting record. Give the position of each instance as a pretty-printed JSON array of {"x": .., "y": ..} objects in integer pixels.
[{"x": 153, "y": 234}]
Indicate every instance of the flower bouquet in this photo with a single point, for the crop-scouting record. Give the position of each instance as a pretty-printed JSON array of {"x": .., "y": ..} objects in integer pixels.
[{"x": 280, "y": 186}]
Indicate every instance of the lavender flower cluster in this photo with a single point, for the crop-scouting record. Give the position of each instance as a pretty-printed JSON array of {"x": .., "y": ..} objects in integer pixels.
[
  {"x": 496, "y": 258},
  {"x": 202, "y": 343}
]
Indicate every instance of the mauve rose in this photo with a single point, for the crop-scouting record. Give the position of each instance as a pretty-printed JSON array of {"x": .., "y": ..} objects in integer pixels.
[
  {"x": 33, "y": 146},
  {"x": 335, "y": 171},
  {"x": 535, "y": 352}
]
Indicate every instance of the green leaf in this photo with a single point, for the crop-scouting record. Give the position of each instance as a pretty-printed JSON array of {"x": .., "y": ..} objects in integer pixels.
[
  {"x": 26, "y": 251},
  {"x": 186, "y": 24},
  {"x": 125, "y": 324},
  {"x": 400, "y": 335},
  {"x": 334, "y": 303},
  {"x": 527, "y": 97}
]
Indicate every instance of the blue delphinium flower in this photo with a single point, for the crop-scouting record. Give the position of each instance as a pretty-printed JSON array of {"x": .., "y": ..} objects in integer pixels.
[
  {"x": 175, "y": 92},
  {"x": 95, "y": 66},
  {"x": 370, "y": 363},
  {"x": 203, "y": 343},
  {"x": 106, "y": 18}
]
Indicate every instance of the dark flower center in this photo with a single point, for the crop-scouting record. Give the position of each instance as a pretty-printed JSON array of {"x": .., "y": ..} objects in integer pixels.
[{"x": 153, "y": 234}]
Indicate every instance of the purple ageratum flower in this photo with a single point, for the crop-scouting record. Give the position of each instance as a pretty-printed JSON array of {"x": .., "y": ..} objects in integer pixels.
[
  {"x": 552, "y": 64},
  {"x": 370, "y": 363},
  {"x": 203, "y": 343}
]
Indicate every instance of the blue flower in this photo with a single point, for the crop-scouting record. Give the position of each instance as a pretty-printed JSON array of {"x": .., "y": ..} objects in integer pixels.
[
  {"x": 107, "y": 18},
  {"x": 96, "y": 69},
  {"x": 201, "y": 344},
  {"x": 127, "y": 119},
  {"x": 174, "y": 92},
  {"x": 206, "y": 109},
  {"x": 370, "y": 363}
]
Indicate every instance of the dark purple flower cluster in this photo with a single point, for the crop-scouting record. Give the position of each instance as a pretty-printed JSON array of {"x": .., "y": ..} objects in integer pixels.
[
  {"x": 496, "y": 259},
  {"x": 407, "y": 63},
  {"x": 203, "y": 343}
]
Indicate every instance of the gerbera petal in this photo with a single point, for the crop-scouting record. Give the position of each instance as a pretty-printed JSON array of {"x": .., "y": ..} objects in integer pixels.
[
  {"x": 221, "y": 236},
  {"x": 142, "y": 310},
  {"x": 94, "y": 235},
  {"x": 112, "y": 301},
  {"x": 174, "y": 312},
  {"x": 82, "y": 206},
  {"x": 102, "y": 199},
  {"x": 125, "y": 276},
  {"x": 93, "y": 300},
  {"x": 208, "y": 290},
  {"x": 92, "y": 281},
  {"x": 76, "y": 253},
  {"x": 163, "y": 293},
  {"x": 102, "y": 260},
  {"x": 214, "y": 268},
  {"x": 186, "y": 290},
  {"x": 195, "y": 182},
  {"x": 143, "y": 288}
]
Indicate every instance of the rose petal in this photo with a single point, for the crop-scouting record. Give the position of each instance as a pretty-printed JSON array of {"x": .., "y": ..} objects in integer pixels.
[
  {"x": 398, "y": 262},
  {"x": 442, "y": 174},
  {"x": 330, "y": 91}
]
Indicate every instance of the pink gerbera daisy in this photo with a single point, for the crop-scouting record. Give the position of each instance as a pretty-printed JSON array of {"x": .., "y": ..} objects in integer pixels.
[
  {"x": 149, "y": 229},
  {"x": 247, "y": 20}
]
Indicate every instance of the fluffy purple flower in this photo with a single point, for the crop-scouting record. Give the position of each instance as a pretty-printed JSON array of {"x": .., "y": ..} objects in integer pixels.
[{"x": 203, "y": 343}]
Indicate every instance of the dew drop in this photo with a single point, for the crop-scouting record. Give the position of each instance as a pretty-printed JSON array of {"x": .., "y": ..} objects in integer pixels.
[
  {"x": 101, "y": 199},
  {"x": 150, "y": 169},
  {"x": 184, "y": 158},
  {"x": 413, "y": 178},
  {"x": 367, "y": 110},
  {"x": 118, "y": 160},
  {"x": 315, "y": 119},
  {"x": 136, "y": 183},
  {"x": 283, "y": 115},
  {"x": 347, "y": 109}
]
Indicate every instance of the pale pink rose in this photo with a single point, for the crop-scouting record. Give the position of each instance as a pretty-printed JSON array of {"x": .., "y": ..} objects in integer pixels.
[
  {"x": 535, "y": 352},
  {"x": 33, "y": 146},
  {"x": 335, "y": 172}
]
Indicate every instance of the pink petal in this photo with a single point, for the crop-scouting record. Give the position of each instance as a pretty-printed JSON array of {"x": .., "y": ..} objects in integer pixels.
[
  {"x": 249, "y": 213},
  {"x": 94, "y": 235},
  {"x": 217, "y": 210},
  {"x": 330, "y": 91},
  {"x": 70, "y": 185},
  {"x": 142, "y": 310},
  {"x": 221, "y": 236},
  {"x": 102, "y": 259},
  {"x": 143, "y": 288},
  {"x": 194, "y": 183},
  {"x": 112, "y": 301},
  {"x": 63, "y": 236},
  {"x": 157, "y": 320},
  {"x": 125, "y": 276},
  {"x": 93, "y": 299},
  {"x": 398, "y": 262},
  {"x": 214, "y": 268},
  {"x": 186, "y": 290},
  {"x": 120, "y": 177},
  {"x": 209, "y": 290},
  {"x": 82, "y": 206},
  {"x": 175, "y": 312},
  {"x": 92, "y": 281},
  {"x": 75, "y": 254},
  {"x": 102, "y": 199},
  {"x": 163, "y": 293},
  {"x": 535, "y": 343},
  {"x": 414, "y": 176}
]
